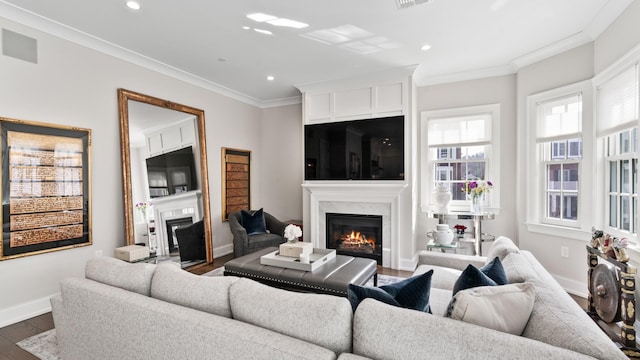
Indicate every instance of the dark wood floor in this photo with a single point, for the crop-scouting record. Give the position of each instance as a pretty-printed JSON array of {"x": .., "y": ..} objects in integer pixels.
[{"x": 12, "y": 334}]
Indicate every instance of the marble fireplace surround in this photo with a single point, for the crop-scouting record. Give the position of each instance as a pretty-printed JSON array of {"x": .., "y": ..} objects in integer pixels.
[{"x": 363, "y": 199}]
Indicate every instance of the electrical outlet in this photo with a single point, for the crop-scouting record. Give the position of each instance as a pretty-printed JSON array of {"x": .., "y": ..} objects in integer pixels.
[
  {"x": 564, "y": 251},
  {"x": 98, "y": 253}
]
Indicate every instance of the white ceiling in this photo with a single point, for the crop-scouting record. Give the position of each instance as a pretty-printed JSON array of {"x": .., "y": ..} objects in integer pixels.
[{"x": 204, "y": 41}]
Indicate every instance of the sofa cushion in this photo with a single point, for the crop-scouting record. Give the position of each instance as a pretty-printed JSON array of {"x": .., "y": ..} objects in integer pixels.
[
  {"x": 439, "y": 300},
  {"x": 134, "y": 277},
  {"x": 491, "y": 274},
  {"x": 518, "y": 269},
  {"x": 254, "y": 223},
  {"x": 558, "y": 320},
  {"x": 501, "y": 247},
  {"x": 504, "y": 308},
  {"x": 411, "y": 293},
  {"x": 204, "y": 293},
  {"x": 442, "y": 278},
  {"x": 294, "y": 314}
]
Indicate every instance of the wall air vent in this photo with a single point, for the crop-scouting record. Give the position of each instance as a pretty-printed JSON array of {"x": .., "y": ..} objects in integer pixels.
[{"x": 403, "y": 4}]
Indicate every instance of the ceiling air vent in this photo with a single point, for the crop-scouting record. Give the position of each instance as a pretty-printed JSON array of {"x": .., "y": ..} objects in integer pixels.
[{"x": 403, "y": 4}]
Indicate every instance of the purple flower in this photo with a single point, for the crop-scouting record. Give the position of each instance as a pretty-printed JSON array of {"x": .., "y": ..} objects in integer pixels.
[
  {"x": 473, "y": 184},
  {"x": 489, "y": 183}
]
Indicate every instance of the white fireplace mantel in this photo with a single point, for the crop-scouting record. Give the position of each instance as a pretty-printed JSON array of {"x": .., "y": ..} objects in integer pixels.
[
  {"x": 187, "y": 204},
  {"x": 357, "y": 198}
]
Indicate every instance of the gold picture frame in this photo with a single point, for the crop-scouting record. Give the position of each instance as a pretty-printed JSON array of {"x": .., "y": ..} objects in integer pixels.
[
  {"x": 46, "y": 187},
  {"x": 236, "y": 181}
]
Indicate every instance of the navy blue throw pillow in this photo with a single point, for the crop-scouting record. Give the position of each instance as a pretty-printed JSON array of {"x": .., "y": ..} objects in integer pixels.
[
  {"x": 492, "y": 274},
  {"x": 412, "y": 293},
  {"x": 495, "y": 271},
  {"x": 254, "y": 224}
]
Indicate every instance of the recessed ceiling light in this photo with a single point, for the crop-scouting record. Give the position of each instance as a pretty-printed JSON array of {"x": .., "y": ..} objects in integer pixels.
[
  {"x": 267, "y": 32},
  {"x": 260, "y": 17},
  {"x": 425, "y": 47},
  {"x": 270, "y": 78},
  {"x": 134, "y": 5},
  {"x": 246, "y": 28}
]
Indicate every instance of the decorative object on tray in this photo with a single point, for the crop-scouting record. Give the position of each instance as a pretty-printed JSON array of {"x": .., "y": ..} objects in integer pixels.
[
  {"x": 611, "y": 246},
  {"x": 442, "y": 196},
  {"x": 292, "y": 233},
  {"x": 442, "y": 235},
  {"x": 295, "y": 249},
  {"x": 476, "y": 191},
  {"x": 317, "y": 258},
  {"x": 460, "y": 229}
]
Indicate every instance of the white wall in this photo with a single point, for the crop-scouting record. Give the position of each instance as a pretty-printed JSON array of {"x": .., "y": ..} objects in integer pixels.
[
  {"x": 76, "y": 86},
  {"x": 282, "y": 163},
  {"x": 569, "y": 67},
  {"x": 495, "y": 90}
]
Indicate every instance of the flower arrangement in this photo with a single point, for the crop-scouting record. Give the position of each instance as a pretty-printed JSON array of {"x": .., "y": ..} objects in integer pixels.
[
  {"x": 475, "y": 189},
  {"x": 292, "y": 232},
  {"x": 611, "y": 246},
  {"x": 142, "y": 207}
]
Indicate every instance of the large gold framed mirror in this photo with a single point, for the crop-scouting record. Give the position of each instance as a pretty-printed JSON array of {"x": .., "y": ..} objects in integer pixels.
[{"x": 164, "y": 174}]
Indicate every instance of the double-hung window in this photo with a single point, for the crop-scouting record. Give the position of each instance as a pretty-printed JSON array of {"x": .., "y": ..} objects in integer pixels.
[
  {"x": 558, "y": 170},
  {"x": 559, "y": 139},
  {"x": 459, "y": 145},
  {"x": 617, "y": 130}
]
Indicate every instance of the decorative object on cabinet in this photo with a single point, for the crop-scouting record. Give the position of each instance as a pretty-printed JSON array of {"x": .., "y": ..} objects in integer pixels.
[
  {"x": 611, "y": 298},
  {"x": 442, "y": 196},
  {"x": 46, "y": 188},
  {"x": 236, "y": 181}
]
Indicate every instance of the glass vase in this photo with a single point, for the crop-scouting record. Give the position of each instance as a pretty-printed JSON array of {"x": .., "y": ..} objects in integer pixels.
[{"x": 476, "y": 205}]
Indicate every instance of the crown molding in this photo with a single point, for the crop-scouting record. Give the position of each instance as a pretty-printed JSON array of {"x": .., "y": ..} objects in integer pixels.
[
  {"x": 607, "y": 14},
  {"x": 38, "y": 22},
  {"x": 424, "y": 80}
]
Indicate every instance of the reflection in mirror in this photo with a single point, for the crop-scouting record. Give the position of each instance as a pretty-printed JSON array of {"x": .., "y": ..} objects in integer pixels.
[{"x": 165, "y": 178}]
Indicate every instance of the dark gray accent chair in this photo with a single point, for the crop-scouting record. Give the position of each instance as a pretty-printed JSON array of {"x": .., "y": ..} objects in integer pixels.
[{"x": 244, "y": 244}]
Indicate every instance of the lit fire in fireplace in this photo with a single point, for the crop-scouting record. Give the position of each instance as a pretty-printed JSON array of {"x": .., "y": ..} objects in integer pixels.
[{"x": 356, "y": 242}]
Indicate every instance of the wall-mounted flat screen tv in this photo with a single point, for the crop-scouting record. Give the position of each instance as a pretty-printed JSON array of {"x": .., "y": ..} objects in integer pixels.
[
  {"x": 172, "y": 173},
  {"x": 371, "y": 149}
]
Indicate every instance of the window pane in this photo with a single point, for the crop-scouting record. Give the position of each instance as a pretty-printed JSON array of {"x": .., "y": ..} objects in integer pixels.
[
  {"x": 624, "y": 176},
  {"x": 613, "y": 211},
  {"x": 624, "y": 142},
  {"x": 553, "y": 207},
  {"x": 634, "y": 139},
  {"x": 475, "y": 171},
  {"x": 554, "y": 176},
  {"x": 634, "y": 171},
  {"x": 571, "y": 207},
  {"x": 473, "y": 152},
  {"x": 613, "y": 176},
  {"x": 570, "y": 177},
  {"x": 635, "y": 215},
  {"x": 575, "y": 148},
  {"x": 443, "y": 171},
  {"x": 625, "y": 212}
]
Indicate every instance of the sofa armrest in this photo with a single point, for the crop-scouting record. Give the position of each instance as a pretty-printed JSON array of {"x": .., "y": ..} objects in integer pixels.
[
  {"x": 453, "y": 261},
  {"x": 274, "y": 225}
]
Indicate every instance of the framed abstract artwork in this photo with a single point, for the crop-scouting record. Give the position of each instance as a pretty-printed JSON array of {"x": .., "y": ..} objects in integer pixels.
[
  {"x": 236, "y": 181},
  {"x": 46, "y": 192}
]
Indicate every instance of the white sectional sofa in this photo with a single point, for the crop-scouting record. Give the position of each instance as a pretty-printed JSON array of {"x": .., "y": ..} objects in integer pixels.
[{"x": 144, "y": 311}]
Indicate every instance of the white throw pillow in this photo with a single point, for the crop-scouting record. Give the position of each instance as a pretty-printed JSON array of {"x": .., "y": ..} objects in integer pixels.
[{"x": 504, "y": 308}]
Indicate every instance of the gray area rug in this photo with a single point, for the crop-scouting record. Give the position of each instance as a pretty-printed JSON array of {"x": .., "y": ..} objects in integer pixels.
[{"x": 43, "y": 346}]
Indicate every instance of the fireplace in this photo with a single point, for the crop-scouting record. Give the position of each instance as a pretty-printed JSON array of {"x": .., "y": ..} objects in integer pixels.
[
  {"x": 355, "y": 235},
  {"x": 172, "y": 225}
]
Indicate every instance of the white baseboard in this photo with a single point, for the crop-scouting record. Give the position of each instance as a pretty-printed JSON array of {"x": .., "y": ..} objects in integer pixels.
[
  {"x": 25, "y": 311},
  {"x": 222, "y": 250},
  {"x": 409, "y": 264},
  {"x": 572, "y": 286}
]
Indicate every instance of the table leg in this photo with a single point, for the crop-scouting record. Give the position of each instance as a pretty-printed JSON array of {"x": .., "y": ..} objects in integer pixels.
[
  {"x": 477, "y": 233},
  {"x": 375, "y": 279}
]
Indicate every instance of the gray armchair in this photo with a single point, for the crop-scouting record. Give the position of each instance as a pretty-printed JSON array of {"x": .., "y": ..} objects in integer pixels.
[{"x": 245, "y": 244}]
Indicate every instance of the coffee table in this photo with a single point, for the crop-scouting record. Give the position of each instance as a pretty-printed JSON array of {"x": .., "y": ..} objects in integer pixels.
[{"x": 332, "y": 278}]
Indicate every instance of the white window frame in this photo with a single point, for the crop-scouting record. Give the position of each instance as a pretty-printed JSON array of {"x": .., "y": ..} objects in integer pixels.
[
  {"x": 492, "y": 170},
  {"x": 617, "y": 157},
  {"x": 601, "y": 211},
  {"x": 535, "y": 174}
]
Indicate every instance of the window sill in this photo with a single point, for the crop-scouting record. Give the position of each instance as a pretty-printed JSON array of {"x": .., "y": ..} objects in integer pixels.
[{"x": 560, "y": 231}]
